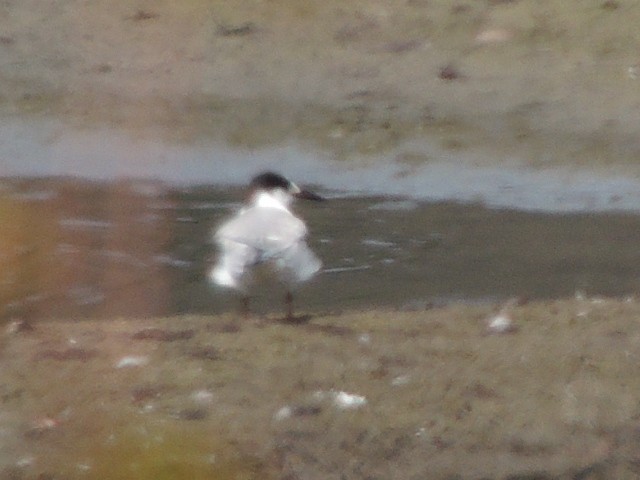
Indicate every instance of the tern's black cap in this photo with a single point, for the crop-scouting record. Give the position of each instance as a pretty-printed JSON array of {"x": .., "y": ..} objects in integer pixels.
[
  {"x": 270, "y": 181},
  {"x": 273, "y": 181}
]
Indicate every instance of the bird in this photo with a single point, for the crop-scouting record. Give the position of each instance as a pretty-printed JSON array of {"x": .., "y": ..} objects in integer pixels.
[{"x": 265, "y": 232}]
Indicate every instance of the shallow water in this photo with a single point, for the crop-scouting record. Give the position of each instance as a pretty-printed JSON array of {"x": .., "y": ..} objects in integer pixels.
[
  {"x": 140, "y": 248},
  {"x": 418, "y": 169}
]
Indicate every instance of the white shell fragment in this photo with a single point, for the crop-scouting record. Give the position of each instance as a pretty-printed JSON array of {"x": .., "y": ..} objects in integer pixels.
[
  {"x": 340, "y": 399},
  {"x": 401, "y": 380},
  {"x": 18, "y": 326},
  {"x": 45, "y": 423},
  {"x": 132, "y": 361},
  {"x": 202, "y": 397},
  {"x": 14, "y": 327},
  {"x": 283, "y": 413},
  {"x": 501, "y": 323},
  {"x": 347, "y": 401},
  {"x": 493, "y": 35},
  {"x": 25, "y": 462}
]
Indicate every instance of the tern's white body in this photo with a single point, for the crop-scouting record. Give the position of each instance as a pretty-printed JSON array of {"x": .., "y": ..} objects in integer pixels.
[{"x": 265, "y": 231}]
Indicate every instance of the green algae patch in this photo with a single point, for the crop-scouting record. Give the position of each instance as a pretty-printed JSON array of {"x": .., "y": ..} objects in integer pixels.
[{"x": 160, "y": 451}]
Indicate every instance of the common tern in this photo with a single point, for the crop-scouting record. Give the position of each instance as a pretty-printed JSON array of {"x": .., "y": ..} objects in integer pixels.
[{"x": 265, "y": 232}]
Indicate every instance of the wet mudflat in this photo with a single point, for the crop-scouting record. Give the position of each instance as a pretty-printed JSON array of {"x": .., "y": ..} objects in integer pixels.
[{"x": 374, "y": 394}]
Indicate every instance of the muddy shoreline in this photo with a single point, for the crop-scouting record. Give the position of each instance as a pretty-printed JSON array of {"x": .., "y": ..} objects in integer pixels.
[{"x": 378, "y": 394}]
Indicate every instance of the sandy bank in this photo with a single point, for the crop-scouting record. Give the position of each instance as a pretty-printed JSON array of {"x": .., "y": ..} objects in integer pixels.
[{"x": 544, "y": 83}]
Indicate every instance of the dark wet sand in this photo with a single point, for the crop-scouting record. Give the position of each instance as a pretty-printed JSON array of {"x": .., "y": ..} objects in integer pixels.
[{"x": 442, "y": 398}]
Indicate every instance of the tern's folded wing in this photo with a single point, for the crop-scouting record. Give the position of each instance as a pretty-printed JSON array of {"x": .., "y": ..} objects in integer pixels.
[{"x": 269, "y": 230}]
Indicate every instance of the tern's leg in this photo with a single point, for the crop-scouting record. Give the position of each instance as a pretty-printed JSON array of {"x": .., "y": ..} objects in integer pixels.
[
  {"x": 288, "y": 301},
  {"x": 245, "y": 311}
]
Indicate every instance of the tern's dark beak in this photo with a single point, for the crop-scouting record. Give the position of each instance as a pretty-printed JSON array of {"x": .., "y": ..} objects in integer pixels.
[{"x": 308, "y": 195}]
